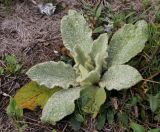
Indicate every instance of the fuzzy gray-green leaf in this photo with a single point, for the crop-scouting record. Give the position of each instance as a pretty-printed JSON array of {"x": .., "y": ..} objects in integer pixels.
[
  {"x": 87, "y": 77},
  {"x": 98, "y": 55},
  {"x": 81, "y": 58},
  {"x": 127, "y": 42},
  {"x": 53, "y": 74},
  {"x": 75, "y": 31},
  {"x": 84, "y": 67},
  {"x": 99, "y": 51},
  {"x": 92, "y": 98},
  {"x": 120, "y": 77},
  {"x": 60, "y": 105},
  {"x": 100, "y": 45},
  {"x": 91, "y": 78}
]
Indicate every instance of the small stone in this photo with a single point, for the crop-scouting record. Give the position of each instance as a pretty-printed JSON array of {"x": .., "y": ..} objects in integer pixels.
[
  {"x": 47, "y": 8},
  {"x": 56, "y": 52}
]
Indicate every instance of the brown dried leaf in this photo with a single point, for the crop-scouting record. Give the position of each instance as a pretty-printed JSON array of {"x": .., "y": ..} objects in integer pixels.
[{"x": 32, "y": 95}]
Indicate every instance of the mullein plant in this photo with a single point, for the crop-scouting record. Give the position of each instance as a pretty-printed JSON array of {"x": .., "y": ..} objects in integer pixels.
[{"x": 99, "y": 67}]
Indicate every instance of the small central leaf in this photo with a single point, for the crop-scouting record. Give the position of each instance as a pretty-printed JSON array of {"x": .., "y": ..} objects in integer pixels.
[{"x": 99, "y": 52}]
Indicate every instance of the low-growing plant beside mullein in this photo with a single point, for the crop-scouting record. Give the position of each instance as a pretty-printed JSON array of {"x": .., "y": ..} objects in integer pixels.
[{"x": 99, "y": 67}]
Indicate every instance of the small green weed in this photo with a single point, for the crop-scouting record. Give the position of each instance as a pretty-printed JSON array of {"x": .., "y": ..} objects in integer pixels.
[
  {"x": 16, "y": 114},
  {"x": 7, "y": 4},
  {"x": 13, "y": 110},
  {"x": 158, "y": 16},
  {"x": 1, "y": 71},
  {"x": 12, "y": 66},
  {"x": 96, "y": 16},
  {"x": 146, "y": 3}
]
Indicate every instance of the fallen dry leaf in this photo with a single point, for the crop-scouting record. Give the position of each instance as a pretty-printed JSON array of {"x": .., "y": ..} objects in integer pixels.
[{"x": 32, "y": 95}]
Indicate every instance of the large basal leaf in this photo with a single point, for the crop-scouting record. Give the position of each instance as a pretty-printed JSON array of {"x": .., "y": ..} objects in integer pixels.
[
  {"x": 127, "y": 42},
  {"x": 99, "y": 51},
  {"x": 53, "y": 74},
  {"x": 120, "y": 77},
  {"x": 32, "y": 95},
  {"x": 75, "y": 31},
  {"x": 92, "y": 98},
  {"x": 60, "y": 105}
]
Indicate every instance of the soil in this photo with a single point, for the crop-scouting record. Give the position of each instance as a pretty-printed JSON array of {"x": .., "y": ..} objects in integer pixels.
[{"x": 33, "y": 38}]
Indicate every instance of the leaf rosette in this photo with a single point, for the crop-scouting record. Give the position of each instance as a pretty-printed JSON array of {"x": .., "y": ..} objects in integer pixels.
[{"x": 99, "y": 66}]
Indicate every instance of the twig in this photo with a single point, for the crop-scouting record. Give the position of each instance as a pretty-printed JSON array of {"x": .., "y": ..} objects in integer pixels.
[
  {"x": 64, "y": 128},
  {"x": 149, "y": 78},
  {"x": 154, "y": 75},
  {"x": 151, "y": 81},
  {"x": 34, "y": 2}
]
